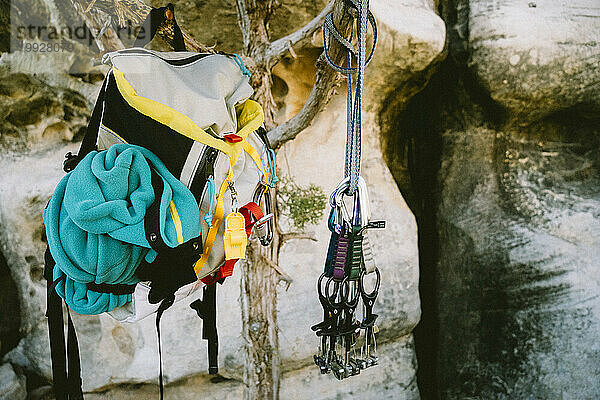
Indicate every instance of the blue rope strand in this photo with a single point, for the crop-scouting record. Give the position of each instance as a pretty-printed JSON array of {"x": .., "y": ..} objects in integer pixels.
[
  {"x": 240, "y": 63},
  {"x": 353, "y": 100},
  {"x": 208, "y": 217}
]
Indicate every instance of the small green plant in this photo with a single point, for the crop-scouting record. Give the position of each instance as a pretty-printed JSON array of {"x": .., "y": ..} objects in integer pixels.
[{"x": 303, "y": 205}]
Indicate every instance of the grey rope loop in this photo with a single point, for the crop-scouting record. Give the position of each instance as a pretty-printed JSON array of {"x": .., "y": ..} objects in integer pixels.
[
  {"x": 356, "y": 145},
  {"x": 354, "y": 100},
  {"x": 349, "y": 117},
  {"x": 330, "y": 28}
]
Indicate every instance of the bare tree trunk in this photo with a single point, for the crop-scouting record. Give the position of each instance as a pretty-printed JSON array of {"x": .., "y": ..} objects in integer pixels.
[
  {"x": 260, "y": 278},
  {"x": 259, "y": 318},
  {"x": 258, "y": 13},
  {"x": 259, "y": 283}
]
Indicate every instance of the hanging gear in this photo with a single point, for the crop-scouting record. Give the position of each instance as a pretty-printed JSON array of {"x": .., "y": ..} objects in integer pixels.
[
  {"x": 172, "y": 176},
  {"x": 349, "y": 259}
]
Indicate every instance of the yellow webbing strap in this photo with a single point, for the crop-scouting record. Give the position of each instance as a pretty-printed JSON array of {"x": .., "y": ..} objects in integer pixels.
[
  {"x": 176, "y": 221},
  {"x": 250, "y": 117},
  {"x": 256, "y": 157},
  {"x": 220, "y": 208}
]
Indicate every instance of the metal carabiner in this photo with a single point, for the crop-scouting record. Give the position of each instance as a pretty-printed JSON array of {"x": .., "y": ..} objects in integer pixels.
[
  {"x": 368, "y": 322},
  {"x": 337, "y": 293},
  {"x": 351, "y": 300},
  {"x": 264, "y": 226},
  {"x": 343, "y": 185},
  {"x": 260, "y": 189},
  {"x": 334, "y": 308},
  {"x": 337, "y": 218},
  {"x": 369, "y": 299},
  {"x": 233, "y": 194},
  {"x": 365, "y": 203},
  {"x": 339, "y": 201},
  {"x": 327, "y": 310},
  {"x": 362, "y": 202}
]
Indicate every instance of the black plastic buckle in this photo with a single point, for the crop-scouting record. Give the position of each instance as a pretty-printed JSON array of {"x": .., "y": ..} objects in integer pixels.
[{"x": 71, "y": 161}]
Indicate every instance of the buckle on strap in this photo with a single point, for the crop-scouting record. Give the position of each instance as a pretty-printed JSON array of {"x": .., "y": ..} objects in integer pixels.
[{"x": 233, "y": 138}]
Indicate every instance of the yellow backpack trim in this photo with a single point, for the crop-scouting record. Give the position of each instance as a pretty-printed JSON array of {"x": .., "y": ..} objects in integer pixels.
[
  {"x": 250, "y": 118},
  {"x": 176, "y": 221}
]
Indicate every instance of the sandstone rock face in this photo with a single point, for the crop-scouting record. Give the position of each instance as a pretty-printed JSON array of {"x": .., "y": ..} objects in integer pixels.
[
  {"x": 393, "y": 383},
  {"x": 12, "y": 387},
  {"x": 411, "y": 39},
  {"x": 114, "y": 354},
  {"x": 32, "y": 22},
  {"x": 502, "y": 170},
  {"x": 537, "y": 57},
  {"x": 519, "y": 236},
  {"x": 36, "y": 115}
]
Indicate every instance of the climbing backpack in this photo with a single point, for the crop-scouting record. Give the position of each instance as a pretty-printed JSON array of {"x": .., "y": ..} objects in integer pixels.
[{"x": 172, "y": 176}]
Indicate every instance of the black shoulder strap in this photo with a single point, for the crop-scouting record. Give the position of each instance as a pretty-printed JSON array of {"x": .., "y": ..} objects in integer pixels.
[
  {"x": 153, "y": 21},
  {"x": 88, "y": 143},
  {"x": 262, "y": 134},
  {"x": 207, "y": 311},
  {"x": 66, "y": 366}
]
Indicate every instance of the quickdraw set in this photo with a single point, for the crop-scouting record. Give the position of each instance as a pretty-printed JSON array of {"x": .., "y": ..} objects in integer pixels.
[
  {"x": 342, "y": 286},
  {"x": 349, "y": 263}
]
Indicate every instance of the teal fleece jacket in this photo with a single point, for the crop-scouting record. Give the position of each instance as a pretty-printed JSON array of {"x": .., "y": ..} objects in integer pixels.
[{"x": 95, "y": 223}]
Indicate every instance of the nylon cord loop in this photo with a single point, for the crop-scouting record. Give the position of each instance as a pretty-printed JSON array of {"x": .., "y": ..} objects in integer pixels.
[{"x": 354, "y": 97}]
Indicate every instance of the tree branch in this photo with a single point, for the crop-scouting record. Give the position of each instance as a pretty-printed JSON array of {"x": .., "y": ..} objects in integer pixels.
[
  {"x": 322, "y": 91},
  {"x": 282, "y": 274},
  {"x": 284, "y": 237},
  {"x": 277, "y": 49},
  {"x": 192, "y": 45},
  {"x": 253, "y": 17},
  {"x": 95, "y": 19},
  {"x": 320, "y": 95},
  {"x": 243, "y": 22}
]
